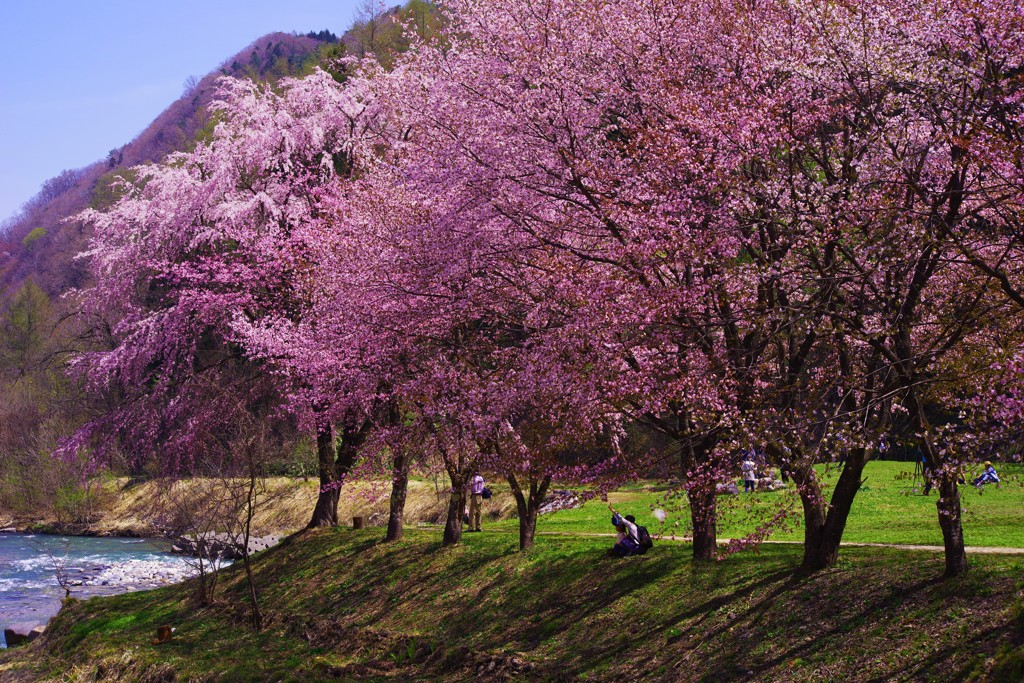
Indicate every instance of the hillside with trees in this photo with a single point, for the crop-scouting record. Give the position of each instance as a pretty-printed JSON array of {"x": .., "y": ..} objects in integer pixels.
[{"x": 40, "y": 329}]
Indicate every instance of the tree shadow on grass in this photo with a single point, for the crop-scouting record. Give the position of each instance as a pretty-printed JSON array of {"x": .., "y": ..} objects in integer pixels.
[
  {"x": 578, "y": 613},
  {"x": 937, "y": 665},
  {"x": 367, "y": 574},
  {"x": 830, "y": 628},
  {"x": 696, "y": 620}
]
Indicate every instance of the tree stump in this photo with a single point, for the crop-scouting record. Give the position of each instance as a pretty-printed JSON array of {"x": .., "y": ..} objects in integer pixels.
[
  {"x": 359, "y": 522},
  {"x": 163, "y": 634}
]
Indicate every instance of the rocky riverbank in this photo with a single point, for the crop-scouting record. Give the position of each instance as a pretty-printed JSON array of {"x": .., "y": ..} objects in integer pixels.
[
  {"x": 39, "y": 572},
  {"x": 221, "y": 546}
]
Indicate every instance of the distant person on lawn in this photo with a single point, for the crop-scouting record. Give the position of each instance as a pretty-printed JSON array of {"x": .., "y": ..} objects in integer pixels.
[
  {"x": 749, "y": 469},
  {"x": 989, "y": 476},
  {"x": 476, "y": 497}
]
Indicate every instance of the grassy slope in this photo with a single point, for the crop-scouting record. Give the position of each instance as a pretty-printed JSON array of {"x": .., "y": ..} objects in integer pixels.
[{"x": 343, "y": 605}]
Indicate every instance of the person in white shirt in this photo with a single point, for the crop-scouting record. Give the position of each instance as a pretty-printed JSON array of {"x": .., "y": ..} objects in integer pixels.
[
  {"x": 749, "y": 469},
  {"x": 628, "y": 540},
  {"x": 476, "y": 496}
]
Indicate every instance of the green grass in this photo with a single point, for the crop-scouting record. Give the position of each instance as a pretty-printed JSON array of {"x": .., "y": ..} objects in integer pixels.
[
  {"x": 888, "y": 509},
  {"x": 341, "y": 604}
]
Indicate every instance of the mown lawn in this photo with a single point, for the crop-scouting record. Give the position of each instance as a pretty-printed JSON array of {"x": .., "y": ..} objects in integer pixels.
[
  {"x": 342, "y": 605},
  {"x": 888, "y": 509}
]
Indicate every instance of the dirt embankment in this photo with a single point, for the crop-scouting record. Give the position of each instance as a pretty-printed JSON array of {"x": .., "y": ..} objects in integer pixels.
[{"x": 125, "y": 507}]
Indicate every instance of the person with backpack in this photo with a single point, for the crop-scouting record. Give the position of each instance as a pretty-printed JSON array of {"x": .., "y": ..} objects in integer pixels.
[
  {"x": 476, "y": 495},
  {"x": 632, "y": 539},
  {"x": 643, "y": 536}
]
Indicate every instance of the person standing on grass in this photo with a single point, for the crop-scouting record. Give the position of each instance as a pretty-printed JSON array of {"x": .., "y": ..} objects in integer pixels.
[
  {"x": 749, "y": 469},
  {"x": 476, "y": 496}
]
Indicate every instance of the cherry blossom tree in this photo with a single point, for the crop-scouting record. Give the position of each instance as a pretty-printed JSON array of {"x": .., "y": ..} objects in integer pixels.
[
  {"x": 612, "y": 193},
  {"x": 208, "y": 246},
  {"x": 718, "y": 213},
  {"x": 904, "y": 172}
]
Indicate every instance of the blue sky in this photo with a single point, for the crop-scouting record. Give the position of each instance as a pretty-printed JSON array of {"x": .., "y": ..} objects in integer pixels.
[{"x": 81, "y": 77}]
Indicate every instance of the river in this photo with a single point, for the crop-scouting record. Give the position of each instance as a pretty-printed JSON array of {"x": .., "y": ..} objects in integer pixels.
[{"x": 29, "y": 593}]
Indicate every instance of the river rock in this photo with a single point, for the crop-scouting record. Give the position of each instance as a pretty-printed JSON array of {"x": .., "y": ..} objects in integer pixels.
[
  {"x": 13, "y": 638},
  {"x": 560, "y": 499},
  {"x": 220, "y": 546},
  {"x": 20, "y": 634}
]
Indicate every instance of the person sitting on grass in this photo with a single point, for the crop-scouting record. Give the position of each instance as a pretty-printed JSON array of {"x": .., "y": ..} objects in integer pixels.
[
  {"x": 627, "y": 542},
  {"x": 989, "y": 476}
]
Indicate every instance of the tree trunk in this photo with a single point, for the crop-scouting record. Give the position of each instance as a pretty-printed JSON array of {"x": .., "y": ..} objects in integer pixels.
[
  {"x": 352, "y": 439},
  {"x": 399, "y": 487},
  {"x": 326, "y": 511},
  {"x": 456, "y": 505},
  {"x": 528, "y": 506},
  {"x": 335, "y": 464},
  {"x": 824, "y": 525},
  {"x": 950, "y": 523},
  {"x": 527, "y": 529},
  {"x": 813, "y": 502},
  {"x": 948, "y": 505},
  {"x": 250, "y": 510},
  {"x": 704, "y": 516},
  {"x": 839, "y": 510},
  {"x": 702, "y": 492}
]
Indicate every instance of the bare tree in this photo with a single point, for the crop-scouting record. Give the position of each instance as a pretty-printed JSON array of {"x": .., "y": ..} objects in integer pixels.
[
  {"x": 59, "y": 564},
  {"x": 374, "y": 31},
  {"x": 190, "y": 86},
  {"x": 196, "y": 511}
]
